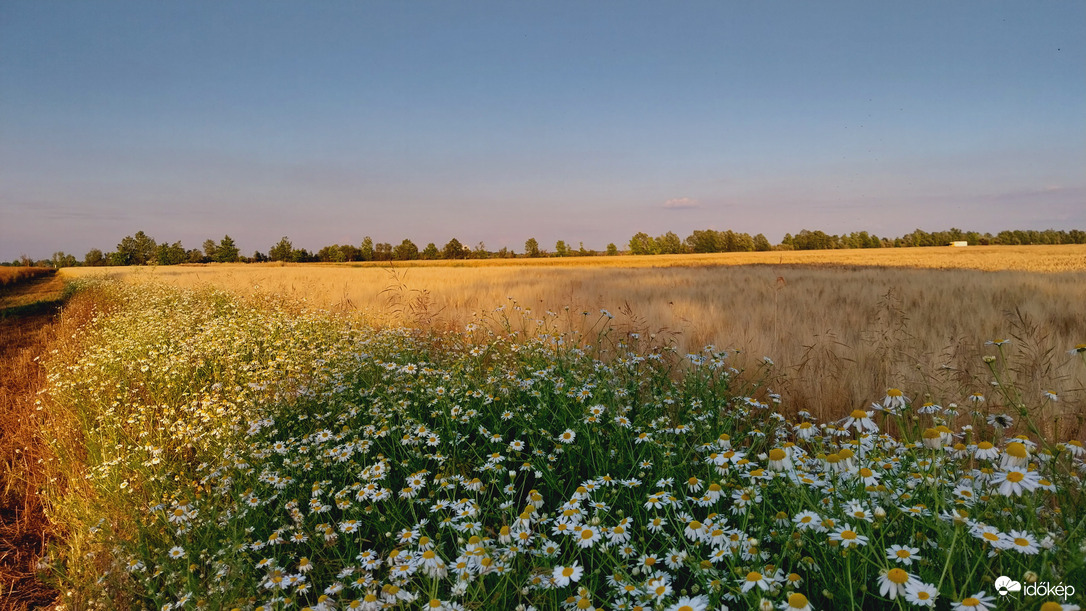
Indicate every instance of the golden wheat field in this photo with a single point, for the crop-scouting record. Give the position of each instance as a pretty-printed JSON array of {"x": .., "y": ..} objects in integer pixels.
[{"x": 840, "y": 326}]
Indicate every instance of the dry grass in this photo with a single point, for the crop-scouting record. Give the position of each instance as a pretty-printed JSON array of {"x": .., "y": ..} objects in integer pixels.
[
  {"x": 840, "y": 333},
  {"x": 11, "y": 275},
  {"x": 23, "y": 526}
]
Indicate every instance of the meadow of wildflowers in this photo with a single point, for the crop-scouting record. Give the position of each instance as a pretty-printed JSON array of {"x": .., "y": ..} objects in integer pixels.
[{"x": 226, "y": 453}]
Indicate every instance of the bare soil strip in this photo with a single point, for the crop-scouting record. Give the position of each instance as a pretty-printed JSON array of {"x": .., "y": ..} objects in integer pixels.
[{"x": 27, "y": 313}]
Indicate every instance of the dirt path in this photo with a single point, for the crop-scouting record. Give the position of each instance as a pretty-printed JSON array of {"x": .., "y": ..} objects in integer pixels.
[{"x": 27, "y": 312}]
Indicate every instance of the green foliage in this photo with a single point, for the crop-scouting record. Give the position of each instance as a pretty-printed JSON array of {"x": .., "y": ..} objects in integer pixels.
[
  {"x": 405, "y": 251},
  {"x": 453, "y": 250},
  {"x": 226, "y": 251},
  {"x": 642, "y": 244},
  {"x": 282, "y": 251},
  {"x": 94, "y": 258},
  {"x": 63, "y": 259},
  {"x": 366, "y": 250},
  {"x": 171, "y": 254},
  {"x": 531, "y": 248},
  {"x": 139, "y": 249}
]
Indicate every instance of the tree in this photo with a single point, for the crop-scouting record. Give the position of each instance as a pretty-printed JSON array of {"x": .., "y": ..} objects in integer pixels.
[
  {"x": 227, "y": 251},
  {"x": 382, "y": 251},
  {"x": 560, "y": 249},
  {"x": 669, "y": 244},
  {"x": 139, "y": 249},
  {"x": 453, "y": 250},
  {"x": 366, "y": 250},
  {"x": 330, "y": 254},
  {"x": 430, "y": 252},
  {"x": 761, "y": 243},
  {"x": 612, "y": 250},
  {"x": 350, "y": 252},
  {"x": 94, "y": 258},
  {"x": 210, "y": 249},
  {"x": 282, "y": 251},
  {"x": 531, "y": 247},
  {"x": 743, "y": 242},
  {"x": 705, "y": 241},
  {"x": 405, "y": 251},
  {"x": 642, "y": 244},
  {"x": 62, "y": 259},
  {"x": 171, "y": 254},
  {"x": 480, "y": 251}
]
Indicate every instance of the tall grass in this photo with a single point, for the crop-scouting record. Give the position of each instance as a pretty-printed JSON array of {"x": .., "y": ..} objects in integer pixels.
[
  {"x": 219, "y": 452},
  {"x": 11, "y": 274},
  {"x": 839, "y": 335}
]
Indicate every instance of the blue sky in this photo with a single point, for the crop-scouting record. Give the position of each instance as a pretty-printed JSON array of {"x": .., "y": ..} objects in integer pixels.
[{"x": 500, "y": 121}]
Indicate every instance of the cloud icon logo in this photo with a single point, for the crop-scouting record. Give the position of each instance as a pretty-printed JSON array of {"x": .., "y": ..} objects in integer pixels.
[{"x": 1005, "y": 585}]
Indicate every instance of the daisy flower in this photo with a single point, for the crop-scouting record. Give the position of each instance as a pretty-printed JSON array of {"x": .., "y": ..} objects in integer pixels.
[
  {"x": 567, "y": 436},
  {"x": 1021, "y": 541},
  {"x": 564, "y": 575},
  {"x": 1014, "y": 481},
  {"x": 861, "y": 421},
  {"x": 588, "y": 537},
  {"x": 779, "y": 460},
  {"x": 989, "y": 534},
  {"x": 808, "y": 520},
  {"x": 795, "y": 602},
  {"x": 976, "y": 602},
  {"x": 895, "y": 399},
  {"x": 176, "y": 552},
  {"x": 755, "y": 579},
  {"x": 892, "y": 583},
  {"x": 848, "y": 537},
  {"x": 903, "y": 554},
  {"x": 1016, "y": 454},
  {"x": 986, "y": 451},
  {"x": 921, "y": 594},
  {"x": 686, "y": 603}
]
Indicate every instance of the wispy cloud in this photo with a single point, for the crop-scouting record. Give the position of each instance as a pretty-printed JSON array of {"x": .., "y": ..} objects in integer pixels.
[{"x": 682, "y": 202}]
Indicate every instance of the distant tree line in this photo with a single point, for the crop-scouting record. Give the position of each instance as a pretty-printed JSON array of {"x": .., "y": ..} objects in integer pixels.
[
  {"x": 142, "y": 249},
  {"x": 710, "y": 240}
]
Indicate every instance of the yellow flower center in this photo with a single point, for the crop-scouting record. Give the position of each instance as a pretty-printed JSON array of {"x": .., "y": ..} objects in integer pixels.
[
  {"x": 1017, "y": 450},
  {"x": 897, "y": 576},
  {"x": 797, "y": 601},
  {"x": 754, "y": 576},
  {"x": 1015, "y": 476}
]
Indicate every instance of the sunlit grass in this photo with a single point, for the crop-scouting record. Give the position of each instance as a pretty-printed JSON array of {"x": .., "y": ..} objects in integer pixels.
[
  {"x": 218, "y": 452},
  {"x": 838, "y": 334}
]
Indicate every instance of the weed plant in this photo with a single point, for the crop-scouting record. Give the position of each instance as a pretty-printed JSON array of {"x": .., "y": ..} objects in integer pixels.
[{"x": 218, "y": 453}]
